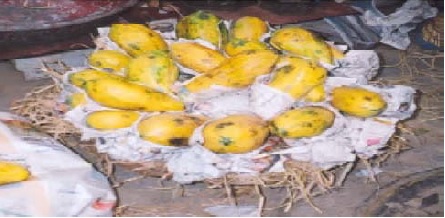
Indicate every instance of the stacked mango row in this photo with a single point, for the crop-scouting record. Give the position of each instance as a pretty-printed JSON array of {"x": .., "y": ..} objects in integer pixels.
[{"x": 142, "y": 77}]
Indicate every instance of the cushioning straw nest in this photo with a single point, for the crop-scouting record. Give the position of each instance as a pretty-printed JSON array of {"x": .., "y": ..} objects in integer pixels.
[{"x": 301, "y": 179}]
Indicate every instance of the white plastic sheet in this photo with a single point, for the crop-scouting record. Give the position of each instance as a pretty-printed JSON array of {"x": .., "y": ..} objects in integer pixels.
[
  {"x": 394, "y": 28},
  {"x": 61, "y": 183}
]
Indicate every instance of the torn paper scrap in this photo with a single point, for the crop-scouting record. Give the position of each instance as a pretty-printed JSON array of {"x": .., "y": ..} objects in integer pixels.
[{"x": 394, "y": 28}]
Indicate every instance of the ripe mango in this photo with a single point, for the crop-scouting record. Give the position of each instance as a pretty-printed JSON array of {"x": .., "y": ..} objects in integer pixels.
[
  {"x": 76, "y": 99},
  {"x": 357, "y": 101},
  {"x": 237, "y": 46},
  {"x": 109, "y": 60},
  {"x": 297, "y": 76},
  {"x": 124, "y": 95},
  {"x": 136, "y": 39},
  {"x": 81, "y": 78},
  {"x": 195, "y": 56},
  {"x": 169, "y": 129},
  {"x": 317, "y": 94},
  {"x": 202, "y": 25},
  {"x": 248, "y": 28},
  {"x": 154, "y": 69},
  {"x": 235, "y": 134},
  {"x": 238, "y": 71},
  {"x": 111, "y": 119},
  {"x": 302, "y": 122},
  {"x": 11, "y": 172},
  {"x": 303, "y": 43}
]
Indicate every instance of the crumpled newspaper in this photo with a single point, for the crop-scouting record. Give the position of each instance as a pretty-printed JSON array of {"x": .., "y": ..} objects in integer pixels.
[
  {"x": 226, "y": 103},
  {"x": 198, "y": 163},
  {"x": 360, "y": 64},
  {"x": 370, "y": 134},
  {"x": 131, "y": 147},
  {"x": 325, "y": 153},
  {"x": 268, "y": 102},
  {"x": 62, "y": 184},
  {"x": 213, "y": 91},
  {"x": 394, "y": 28},
  {"x": 332, "y": 82},
  {"x": 233, "y": 211}
]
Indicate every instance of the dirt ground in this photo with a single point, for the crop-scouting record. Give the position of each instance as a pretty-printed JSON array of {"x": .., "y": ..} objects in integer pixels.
[{"x": 409, "y": 184}]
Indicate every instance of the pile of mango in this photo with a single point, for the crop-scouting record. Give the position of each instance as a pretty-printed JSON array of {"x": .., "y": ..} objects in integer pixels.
[{"x": 141, "y": 78}]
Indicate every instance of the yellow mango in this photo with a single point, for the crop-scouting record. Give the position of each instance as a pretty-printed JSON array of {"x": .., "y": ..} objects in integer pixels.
[
  {"x": 336, "y": 53},
  {"x": 317, "y": 94},
  {"x": 80, "y": 78},
  {"x": 302, "y": 122},
  {"x": 136, "y": 39},
  {"x": 11, "y": 172},
  {"x": 297, "y": 76},
  {"x": 195, "y": 56},
  {"x": 357, "y": 101},
  {"x": 154, "y": 69},
  {"x": 303, "y": 43},
  {"x": 169, "y": 129},
  {"x": 286, "y": 34},
  {"x": 248, "y": 28},
  {"x": 200, "y": 83},
  {"x": 181, "y": 29},
  {"x": 124, "y": 95},
  {"x": 235, "y": 134},
  {"x": 76, "y": 99},
  {"x": 202, "y": 25},
  {"x": 237, "y": 46},
  {"x": 109, "y": 60},
  {"x": 238, "y": 71},
  {"x": 111, "y": 119}
]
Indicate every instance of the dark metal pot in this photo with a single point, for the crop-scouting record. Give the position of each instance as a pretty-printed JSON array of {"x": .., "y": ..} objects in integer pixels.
[{"x": 41, "y": 23}]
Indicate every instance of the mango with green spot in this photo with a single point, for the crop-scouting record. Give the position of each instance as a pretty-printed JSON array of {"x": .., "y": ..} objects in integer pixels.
[
  {"x": 237, "y": 46},
  {"x": 235, "y": 134},
  {"x": 248, "y": 28},
  {"x": 303, "y": 43},
  {"x": 111, "y": 61},
  {"x": 76, "y": 99},
  {"x": 154, "y": 69},
  {"x": 202, "y": 25},
  {"x": 81, "y": 78},
  {"x": 297, "y": 76},
  {"x": 136, "y": 39},
  {"x": 302, "y": 122}
]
